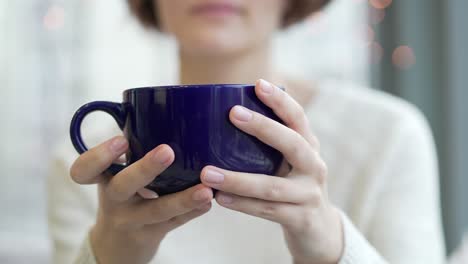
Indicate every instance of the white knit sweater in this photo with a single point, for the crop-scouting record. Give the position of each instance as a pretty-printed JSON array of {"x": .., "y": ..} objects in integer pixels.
[{"x": 382, "y": 174}]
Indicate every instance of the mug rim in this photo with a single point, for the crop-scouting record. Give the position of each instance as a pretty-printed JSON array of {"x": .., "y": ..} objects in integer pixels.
[{"x": 189, "y": 86}]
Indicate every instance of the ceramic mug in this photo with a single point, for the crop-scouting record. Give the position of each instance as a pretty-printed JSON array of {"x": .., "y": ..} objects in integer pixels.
[{"x": 194, "y": 121}]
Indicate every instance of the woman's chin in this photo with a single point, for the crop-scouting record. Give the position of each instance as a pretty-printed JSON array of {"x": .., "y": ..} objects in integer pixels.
[
  {"x": 214, "y": 43},
  {"x": 212, "y": 49}
]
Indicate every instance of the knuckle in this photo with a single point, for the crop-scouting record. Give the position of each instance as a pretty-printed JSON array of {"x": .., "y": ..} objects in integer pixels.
[
  {"x": 274, "y": 191},
  {"x": 293, "y": 148},
  {"x": 169, "y": 208},
  {"x": 315, "y": 199},
  {"x": 309, "y": 195},
  {"x": 298, "y": 114},
  {"x": 186, "y": 204},
  {"x": 267, "y": 210},
  {"x": 296, "y": 117},
  {"x": 321, "y": 171},
  {"x": 313, "y": 196},
  {"x": 297, "y": 148},
  {"x": 176, "y": 221},
  {"x": 117, "y": 191}
]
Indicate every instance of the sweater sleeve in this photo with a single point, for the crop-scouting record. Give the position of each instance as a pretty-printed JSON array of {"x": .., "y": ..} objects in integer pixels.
[
  {"x": 357, "y": 249},
  {"x": 85, "y": 255},
  {"x": 71, "y": 213},
  {"x": 405, "y": 223}
]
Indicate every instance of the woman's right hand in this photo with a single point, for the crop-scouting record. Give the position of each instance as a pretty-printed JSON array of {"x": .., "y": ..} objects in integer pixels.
[{"x": 129, "y": 228}]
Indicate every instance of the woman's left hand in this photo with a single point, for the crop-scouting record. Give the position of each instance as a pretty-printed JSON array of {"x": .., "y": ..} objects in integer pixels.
[{"x": 298, "y": 201}]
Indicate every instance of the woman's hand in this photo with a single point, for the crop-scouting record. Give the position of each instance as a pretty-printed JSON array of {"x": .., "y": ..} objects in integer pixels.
[
  {"x": 297, "y": 201},
  {"x": 129, "y": 228}
]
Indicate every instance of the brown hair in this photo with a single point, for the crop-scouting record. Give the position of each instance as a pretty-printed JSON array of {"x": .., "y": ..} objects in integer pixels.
[{"x": 298, "y": 9}]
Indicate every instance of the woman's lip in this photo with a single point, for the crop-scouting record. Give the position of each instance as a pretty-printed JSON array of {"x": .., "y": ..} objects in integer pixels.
[{"x": 216, "y": 9}]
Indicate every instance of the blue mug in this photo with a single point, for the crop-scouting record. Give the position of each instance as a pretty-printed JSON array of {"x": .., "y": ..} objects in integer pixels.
[{"x": 194, "y": 121}]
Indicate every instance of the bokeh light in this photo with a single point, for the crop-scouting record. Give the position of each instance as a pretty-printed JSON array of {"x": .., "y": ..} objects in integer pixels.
[
  {"x": 54, "y": 19},
  {"x": 376, "y": 16},
  {"x": 376, "y": 52},
  {"x": 380, "y": 4},
  {"x": 403, "y": 57}
]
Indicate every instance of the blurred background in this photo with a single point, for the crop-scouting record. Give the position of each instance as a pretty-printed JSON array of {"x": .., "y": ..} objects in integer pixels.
[{"x": 56, "y": 55}]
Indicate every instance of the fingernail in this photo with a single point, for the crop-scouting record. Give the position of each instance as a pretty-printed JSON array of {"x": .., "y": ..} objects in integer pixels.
[
  {"x": 266, "y": 87},
  {"x": 242, "y": 114},
  {"x": 118, "y": 144},
  {"x": 199, "y": 195},
  {"x": 224, "y": 198},
  {"x": 163, "y": 156},
  {"x": 148, "y": 194},
  {"x": 212, "y": 176}
]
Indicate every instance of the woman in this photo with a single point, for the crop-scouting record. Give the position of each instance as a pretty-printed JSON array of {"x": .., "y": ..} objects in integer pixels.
[{"x": 370, "y": 196}]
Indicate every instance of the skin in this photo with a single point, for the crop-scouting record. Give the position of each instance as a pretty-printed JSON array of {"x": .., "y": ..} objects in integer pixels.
[{"x": 231, "y": 48}]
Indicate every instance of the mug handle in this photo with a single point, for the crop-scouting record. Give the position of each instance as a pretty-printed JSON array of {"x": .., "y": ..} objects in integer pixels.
[{"x": 116, "y": 110}]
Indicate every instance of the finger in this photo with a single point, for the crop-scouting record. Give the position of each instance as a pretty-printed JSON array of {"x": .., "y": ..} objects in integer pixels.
[
  {"x": 126, "y": 183},
  {"x": 274, "y": 211},
  {"x": 259, "y": 186},
  {"x": 297, "y": 151},
  {"x": 180, "y": 220},
  {"x": 286, "y": 108},
  {"x": 172, "y": 205},
  {"x": 89, "y": 166}
]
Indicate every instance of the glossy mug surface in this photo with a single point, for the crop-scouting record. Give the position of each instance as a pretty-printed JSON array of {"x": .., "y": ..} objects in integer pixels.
[{"x": 194, "y": 121}]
